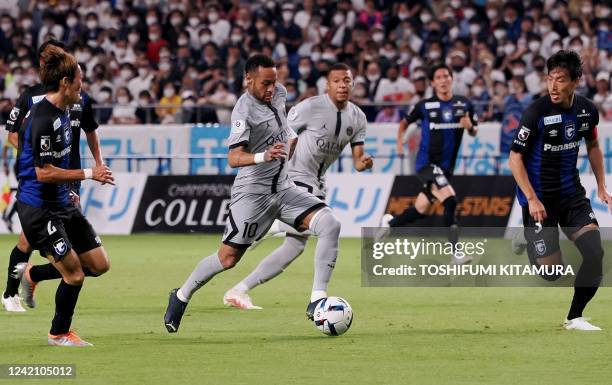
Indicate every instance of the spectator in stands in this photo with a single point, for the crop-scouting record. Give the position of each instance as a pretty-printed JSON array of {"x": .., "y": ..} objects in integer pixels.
[
  {"x": 481, "y": 98},
  {"x": 223, "y": 100},
  {"x": 144, "y": 112},
  {"x": 463, "y": 76},
  {"x": 124, "y": 112},
  {"x": 388, "y": 115},
  {"x": 143, "y": 81},
  {"x": 514, "y": 105},
  {"x": 105, "y": 110},
  {"x": 603, "y": 96},
  {"x": 393, "y": 88},
  {"x": 156, "y": 42},
  {"x": 169, "y": 104},
  {"x": 536, "y": 79},
  {"x": 219, "y": 27},
  {"x": 373, "y": 79}
]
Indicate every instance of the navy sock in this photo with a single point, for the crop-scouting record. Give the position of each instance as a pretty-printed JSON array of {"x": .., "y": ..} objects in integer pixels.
[
  {"x": 12, "y": 283},
  {"x": 408, "y": 216},
  {"x": 66, "y": 298}
]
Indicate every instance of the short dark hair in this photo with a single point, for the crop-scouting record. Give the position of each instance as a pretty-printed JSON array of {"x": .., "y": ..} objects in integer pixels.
[
  {"x": 568, "y": 60},
  {"x": 256, "y": 61},
  {"x": 53, "y": 42},
  {"x": 338, "y": 67},
  {"x": 437, "y": 67}
]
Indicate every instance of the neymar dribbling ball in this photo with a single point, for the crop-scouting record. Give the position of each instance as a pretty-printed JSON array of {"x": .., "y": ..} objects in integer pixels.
[{"x": 333, "y": 316}]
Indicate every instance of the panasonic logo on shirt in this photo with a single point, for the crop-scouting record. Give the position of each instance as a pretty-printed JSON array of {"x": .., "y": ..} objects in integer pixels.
[
  {"x": 444, "y": 126},
  {"x": 552, "y": 119},
  {"x": 561, "y": 147}
]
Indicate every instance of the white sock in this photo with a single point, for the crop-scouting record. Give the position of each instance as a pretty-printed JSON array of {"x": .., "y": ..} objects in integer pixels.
[
  {"x": 181, "y": 297},
  {"x": 240, "y": 287},
  {"x": 317, "y": 294}
]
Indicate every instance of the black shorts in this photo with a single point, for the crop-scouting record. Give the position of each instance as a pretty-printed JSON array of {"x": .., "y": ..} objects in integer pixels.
[
  {"x": 433, "y": 175},
  {"x": 56, "y": 231},
  {"x": 571, "y": 214}
]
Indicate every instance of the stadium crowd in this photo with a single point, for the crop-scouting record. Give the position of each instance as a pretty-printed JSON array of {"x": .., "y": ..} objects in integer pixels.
[{"x": 186, "y": 57}]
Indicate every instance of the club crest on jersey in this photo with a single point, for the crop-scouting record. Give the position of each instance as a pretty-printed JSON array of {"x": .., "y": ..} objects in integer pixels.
[
  {"x": 349, "y": 130},
  {"x": 554, "y": 119},
  {"x": 540, "y": 247},
  {"x": 523, "y": 133},
  {"x": 447, "y": 115},
  {"x": 45, "y": 143},
  {"x": 60, "y": 246},
  {"x": 14, "y": 113},
  {"x": 292, "y": 114},
  {"x": 570, "y": 130}
]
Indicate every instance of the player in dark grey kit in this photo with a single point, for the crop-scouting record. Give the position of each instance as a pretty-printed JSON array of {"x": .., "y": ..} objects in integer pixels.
[
  {"x": 259, "y": 144},
  {"x": 325, "y": 124},
  {"x": 543, "y": 161}
]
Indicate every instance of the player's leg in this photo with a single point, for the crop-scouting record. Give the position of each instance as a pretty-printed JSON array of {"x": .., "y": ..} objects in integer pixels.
[
  {"x": 543, "y": 240},
  {"x": 20, "y": 254},
  {"x": 250, "y": 216},
  {"x": 277, "y": 227},
  {"x": 412, "y": 213},
  {"x": 66, "y": 298},
  {"x": 580, "y": 225},
  {"x": 271, "y": 266}
]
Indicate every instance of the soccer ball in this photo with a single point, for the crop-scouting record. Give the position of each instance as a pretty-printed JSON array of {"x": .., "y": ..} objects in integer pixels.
[{"x": 333, "y": 316}]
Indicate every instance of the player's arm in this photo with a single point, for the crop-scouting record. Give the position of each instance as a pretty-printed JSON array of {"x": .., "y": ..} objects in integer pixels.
[
  {"x": 522, "y": 143},
  {"x": 597, "y": 164},
  {"x": 470, "y": 121},
  {"x": 239, "y": 157},
  {"x": 89, "y": 124},
  {"x": 412, "y": 116},
  {"x": 46, "y": 172},
  {"x": 292, "y": 145},
  {"x": 93, "y": 141},
  {"x": 16, "y": 118},
  {"x": 361, "y": 160}
]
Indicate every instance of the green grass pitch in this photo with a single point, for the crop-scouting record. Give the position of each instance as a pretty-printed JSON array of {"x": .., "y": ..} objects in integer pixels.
[{"x": 399, "y": 335}]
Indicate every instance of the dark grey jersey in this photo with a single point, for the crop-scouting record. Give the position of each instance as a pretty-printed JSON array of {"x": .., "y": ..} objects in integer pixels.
[
  {"x": 324, "y": 131},
  {"x": 257, "y": 126}
]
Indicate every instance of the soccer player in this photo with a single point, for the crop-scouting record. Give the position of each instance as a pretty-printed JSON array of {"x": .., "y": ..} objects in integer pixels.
[
  {"x": 51, "y": 223},
  {"x": 259, "y": 144},
  {"x": 443, "y": 117},
  {"x": 82, "y": 117},
  {"x": 543, "y": 161},
  {"x": 325, "y": 125}
]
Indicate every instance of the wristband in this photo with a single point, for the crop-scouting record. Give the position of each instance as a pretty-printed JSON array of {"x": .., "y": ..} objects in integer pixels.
[
  {"x": 260, "y": 157},
  {"x": 88, "y": 173}
]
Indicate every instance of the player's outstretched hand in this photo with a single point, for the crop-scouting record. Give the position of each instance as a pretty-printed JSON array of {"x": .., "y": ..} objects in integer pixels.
[
  {"x": 277, "y": 151},
  {"x": 103, "y": 174},
  {"x": 537, "y": 210},
  {"x": 605, "y": 197},
  {"x": 366, "y": 161}
]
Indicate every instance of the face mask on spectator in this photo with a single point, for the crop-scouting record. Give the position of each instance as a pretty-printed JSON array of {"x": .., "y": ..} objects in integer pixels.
[
  {"x": 236, "y": 38},
  {"x": 434, "y": 55},
  {"x": 404, "y": 56},
  {"x": 143, "y": 102},
  {"x": 287, "y": 16},
  {"x": 194, "y": 21},
  {"x": 82, "y": 56},
  {"x": 556, "y": 48},
  {"x": 378, "y": 37},
  {"x": 576, "y": 47},
  {"x": 168, "y": 92},
  {"x": 26, "y": 24},
  {"x": 72, "y": 22},
  {"x": 586, "y": 9},
  {"x": 509, "y": 49},
  {"x": 573, "y": 31},
  {"x": 175, "y": 21},
  {"x": 373, "y": 77},
  {"x": 491, "y": 14},
  {"x": 92, "y": 24},
  {"x": 132, "y": 20},
  {"x": 453, "y": 33},
  {"x": 120, "y": 51},
  {"x": 534, "y": 46},
  {"x": 153, "y": 36},
  {"x": 359, "y": 92},
  {"x": 544, "y": 29},
  {"x": 151, "y": 20},
  {"x": 425, "y": 18},
  {"x": 123, "y": 100},
  {"x": 338, "y": 19},
  {"x": 133, "y": 38},
  {"x": 92, "y": 43},
  {"x": 304, "y": 71},
  {"x": 164, "y": 66},
  {"x": 455, "y": 4},
  {"x": 389, "y": 54},
  {"x": 499, "y": 34},
  {"x": 474, "y": 29},
  {"x": 403, "y": 15},
  {"x": 125, "y": 74},
  {"x": 189, "y": 103},
  {"x": 469, "y": 13},
  {"x": 315, "y": 56},
  {"x": 213, "y": 17},
  {"x": 26, "y": 65},
  {"x": 104, "y": 96},
  {"x": 477, "y": 91},
  {"x": 328, "y": 56},
  {"x": 518, "y": 71},
  {"x": 204, "y": 39},
  {"x": 183, "y": 42}
]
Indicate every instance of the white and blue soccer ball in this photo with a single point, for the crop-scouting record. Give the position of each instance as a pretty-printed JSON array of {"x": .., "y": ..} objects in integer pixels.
[{"x": 333, "y": 316}]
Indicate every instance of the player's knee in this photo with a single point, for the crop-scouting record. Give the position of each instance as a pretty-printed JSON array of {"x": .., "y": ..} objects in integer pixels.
[
  {"x": 229, "y": 260},
  {"x": 23, "y": 245},
  {"x": 297, "y": 243},
  {"x": 101, "y": 267},
  {"x": 325, "y": 224},
  {"x": 450, "y": 206},
  {"x": 74, "y": 278}
]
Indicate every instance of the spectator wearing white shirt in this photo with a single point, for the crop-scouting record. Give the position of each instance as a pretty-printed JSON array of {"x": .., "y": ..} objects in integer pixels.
[
  {"x": 393, "y": 87},
  {"x": 463, "y": 76},
  {"x": 125, "y": 110},
  {"x": 219, "y": 27}
]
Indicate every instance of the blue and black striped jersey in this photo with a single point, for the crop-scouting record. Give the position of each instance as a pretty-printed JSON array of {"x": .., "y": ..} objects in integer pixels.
[{"x": 549, "y": 138}]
